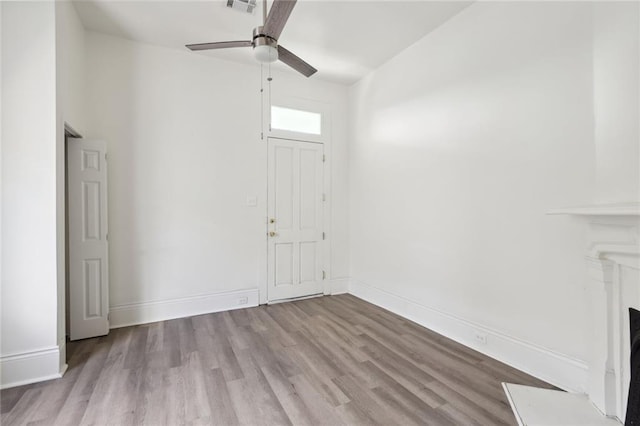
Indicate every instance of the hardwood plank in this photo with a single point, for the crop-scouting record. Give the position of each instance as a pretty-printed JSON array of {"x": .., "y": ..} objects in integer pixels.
[
  {"x": 219, "y": 399},
  {"x": 186, "y": 338},
  {"x": 51, "y": 403},
  {"x": 227, "y": 359},
  {"x": 240, "y": 318},
  {"x": 197, "y": 407},
  {"x": 154, "y": 337},
  {"x": 352, "y": 414},
  {"x": 296, "y": 410},
  {"x": 170, "y": 344},
  {"x": 137, "y": 348},
  {"x": 206, "y": 348},
  {"x": 330, "y": 392},
  {"x": 485, "y": 413},
  {"x": 10, "y": 398},
  {"x": 315, "y": 402},
  {"x": 409, "y": 409},
  {"x": 457, "y": 416},
  {"x": 110, "y": 397},
  {"x": 174, "y": 395},
  {"x": 76, "y": 403},
  {"x": 419, "y": 395},
  {"x": 23, "y": 409},
  {"x": 151, "y": 391},
  {"x": 255, "y": 401},
  {"x": 361, "y": 397}
]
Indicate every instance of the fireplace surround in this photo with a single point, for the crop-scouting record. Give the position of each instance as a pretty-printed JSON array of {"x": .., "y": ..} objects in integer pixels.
[
  {"x": 613, "y": 266},
  {"x": 605, "y": 398},
  {"x": 632, "y": 417}
]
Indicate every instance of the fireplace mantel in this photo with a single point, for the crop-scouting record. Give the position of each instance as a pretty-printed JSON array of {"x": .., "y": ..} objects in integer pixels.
[
  {"x": 613, "y": 232},
  {"x": 600, "y": 210}
]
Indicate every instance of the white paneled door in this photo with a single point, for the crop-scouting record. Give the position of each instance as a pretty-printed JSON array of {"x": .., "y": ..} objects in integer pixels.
[
  {"x": 295, "y": 222},
  {"x": 88, "y": 246}
]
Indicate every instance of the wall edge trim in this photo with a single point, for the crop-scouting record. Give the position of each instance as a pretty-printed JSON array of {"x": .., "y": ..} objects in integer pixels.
[
  {"x": 28, "y": 367},
  {"x": 130, "y": 314}
]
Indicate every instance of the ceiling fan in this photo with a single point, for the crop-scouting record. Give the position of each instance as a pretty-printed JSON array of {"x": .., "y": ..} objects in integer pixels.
[{"x": 265, "y": 39}]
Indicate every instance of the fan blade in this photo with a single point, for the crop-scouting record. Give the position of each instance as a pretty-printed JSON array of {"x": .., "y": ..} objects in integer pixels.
[
  {"x": 278, "y": 15},
  {"x": 295, "y": 62},
  {"x": 219, "y": 45}
]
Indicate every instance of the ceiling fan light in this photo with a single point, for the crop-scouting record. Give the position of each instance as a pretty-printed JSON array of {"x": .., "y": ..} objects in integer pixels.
[{"x": 265, "y": 53}]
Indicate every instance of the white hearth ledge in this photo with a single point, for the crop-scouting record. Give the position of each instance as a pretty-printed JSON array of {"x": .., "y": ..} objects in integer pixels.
[{"x": 547, "y": 407}]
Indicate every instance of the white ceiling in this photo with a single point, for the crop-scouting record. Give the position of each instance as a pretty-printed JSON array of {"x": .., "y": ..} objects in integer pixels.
[{"x": 344, "y": 40}]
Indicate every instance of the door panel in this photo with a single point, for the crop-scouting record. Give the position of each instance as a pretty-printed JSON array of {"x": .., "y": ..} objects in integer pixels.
[
  {"x": 308, "y": 261},
  {"x": 88, "y": 246},
  {"x": 308, "y": 189},
  {"x": 93, "y": 287},
  {"x": 295, "y": 219},
  {"x": 283, "y": 193},
  {"x": 284, "y": 264},
  {"x": 91, "y": 210}
]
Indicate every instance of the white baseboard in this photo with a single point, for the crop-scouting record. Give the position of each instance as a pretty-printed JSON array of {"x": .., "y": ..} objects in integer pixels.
[
  {"x": 30, "y": 367},
  {"x": 339, "y": 286},
  {"x": 558, "y": 369},
  {"x": 146, "y": 312}
]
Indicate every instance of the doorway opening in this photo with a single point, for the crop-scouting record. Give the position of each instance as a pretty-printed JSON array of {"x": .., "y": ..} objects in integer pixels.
[
  {"x": 69, "y": 132},
  {"x": 86, "y": 238},
  {"x": 295, "y": 197}
]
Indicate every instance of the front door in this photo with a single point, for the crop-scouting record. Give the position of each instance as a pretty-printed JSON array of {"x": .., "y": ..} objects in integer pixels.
[
  {"x": 88, "y": 246},
  {"x": 295, "y": 198}
]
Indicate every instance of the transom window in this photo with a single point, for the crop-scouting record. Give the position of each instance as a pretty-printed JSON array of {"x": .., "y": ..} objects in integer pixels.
[{"x": 295, "y": 120}]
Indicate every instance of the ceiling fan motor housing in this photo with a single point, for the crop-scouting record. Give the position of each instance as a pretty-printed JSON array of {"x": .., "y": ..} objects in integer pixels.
[{"x": 265, "y": 48}]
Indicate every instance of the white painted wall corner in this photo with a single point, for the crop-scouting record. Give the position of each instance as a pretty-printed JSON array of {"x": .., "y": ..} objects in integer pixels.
[
  {"x": 558, "y": 369},
  {"x": 146, "y": 312},
  {"x": 339, "y": 286}
]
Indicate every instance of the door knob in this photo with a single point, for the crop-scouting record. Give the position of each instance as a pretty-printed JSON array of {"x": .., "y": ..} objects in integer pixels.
[
  {"x": 272, "y": 234},
  {"x": 272, "y": 220}
]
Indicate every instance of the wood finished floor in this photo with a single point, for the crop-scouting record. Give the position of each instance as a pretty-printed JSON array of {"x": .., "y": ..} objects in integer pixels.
[{"x": 327, "y": 361}]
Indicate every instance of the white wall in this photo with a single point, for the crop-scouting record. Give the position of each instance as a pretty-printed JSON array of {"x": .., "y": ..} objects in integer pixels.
[
  {"x": 461, "y": 143},
  {"x": 1, "y": 100},
  {"x": 29, "y": 263},
  {"x": 183, "y": 135},
  {"x": 617, "y": 101},
  {"x": 71, "y": 61},
  {"x": 70, "y": 96}
]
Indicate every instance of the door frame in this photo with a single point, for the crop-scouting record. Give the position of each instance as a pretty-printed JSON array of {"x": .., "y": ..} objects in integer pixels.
[
  {"x": 325, "y": 139},
  {"x": 326, "y": 287},
  {"x": 69, "y": 132}
]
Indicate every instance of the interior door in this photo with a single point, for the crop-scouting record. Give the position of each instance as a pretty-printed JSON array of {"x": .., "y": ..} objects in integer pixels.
[
  {"x": 295, "y": 197},
  {"x": 88, "y": 233}
]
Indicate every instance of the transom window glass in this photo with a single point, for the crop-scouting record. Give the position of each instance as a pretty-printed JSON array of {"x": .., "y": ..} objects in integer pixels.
[{"x": 295, "y": 120}]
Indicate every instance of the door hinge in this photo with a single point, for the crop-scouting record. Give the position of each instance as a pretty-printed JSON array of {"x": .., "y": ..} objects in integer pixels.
[
  {"x": 107, "y": 236},
  {"x": 261, "y": 135},
  {"x": 109, "y": 316},
  {"x": 324, "y": 158},
  {"x": 324, "y": 275},
  {"x": 323, "y": 236},
  {"x": 106, "y": 156},
  {"x": 324, "y": 197}
]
